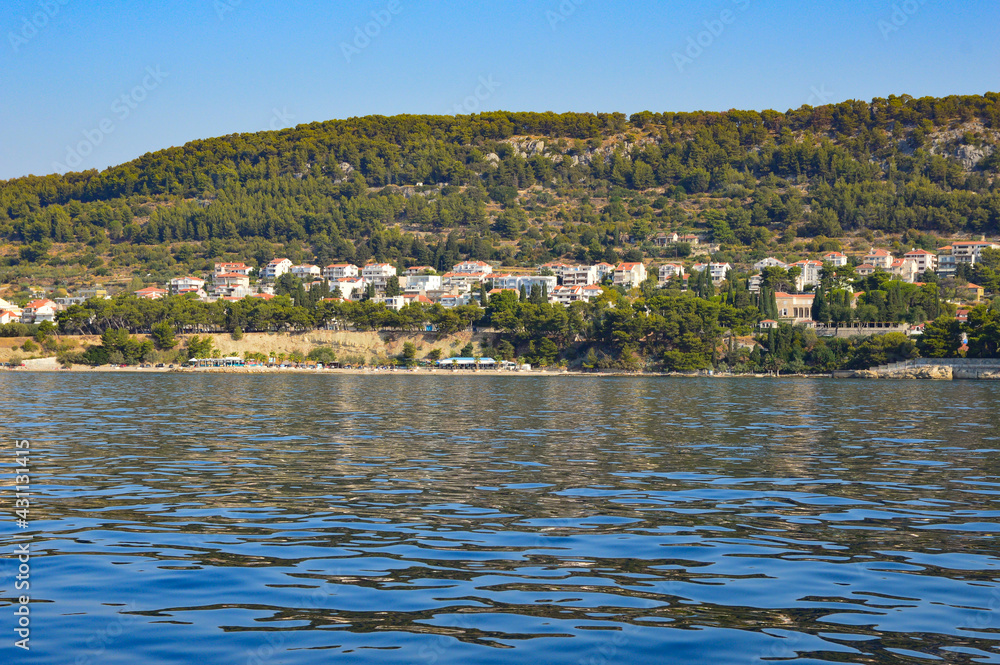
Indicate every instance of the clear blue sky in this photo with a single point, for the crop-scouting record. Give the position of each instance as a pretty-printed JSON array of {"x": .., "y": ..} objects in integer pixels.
[{"x": 193, "y": 69}]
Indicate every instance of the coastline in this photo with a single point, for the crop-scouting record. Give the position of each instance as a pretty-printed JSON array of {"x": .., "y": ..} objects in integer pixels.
[{"x": 85, "y": 369}]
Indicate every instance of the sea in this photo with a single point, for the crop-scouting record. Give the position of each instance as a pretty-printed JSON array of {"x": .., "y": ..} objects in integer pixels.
[{"x": 427, "y": 519}]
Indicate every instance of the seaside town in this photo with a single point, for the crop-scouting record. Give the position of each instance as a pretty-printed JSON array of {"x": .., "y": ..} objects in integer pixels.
[
  {"x": 558, "y": 282},
  {"x": 783, "y": 295}
]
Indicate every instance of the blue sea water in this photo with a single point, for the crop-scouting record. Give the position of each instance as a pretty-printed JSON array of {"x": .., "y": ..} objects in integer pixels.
[{"x": 502, "y": 519}]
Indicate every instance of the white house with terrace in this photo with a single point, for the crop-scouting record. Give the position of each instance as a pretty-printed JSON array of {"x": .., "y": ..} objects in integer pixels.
[
  {"x": 579, "y": 275},
  {"x": 351, "y": 288},
  {"x": 185, "y": 284},
  {"x": 770, "y": 262},
  {"x": 836, "y": 258},
  {"x": 306, "y": 271},
  {"x": 378, "y": 274},
  {"x": 335, "y": 271},
  {"x": 549, "y": 282},
  {"x": 922, "y": 259},
  {"x": 240, "y": 268},
  {"x": 276, "y": 268},
  {"x": 668, "y": 271},
  {"x": 629, "y": 274},
  {"x": 418, "y": 283},
  {"x": 717, "y": 271},
  {"x": 566, "y": 295},
  {"x": 480, "y": 267}
]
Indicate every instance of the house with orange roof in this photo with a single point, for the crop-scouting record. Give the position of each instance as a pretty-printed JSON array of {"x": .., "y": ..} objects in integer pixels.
[
  {"x": 668, "y": 271},
  {"x": 794, "y": 306},
  {"x": 971, "y": 292},
  {"x": 240, "y": 268},
  {"x": 350, "y": 287},
  {"x": 276, "y": 268},
  {"x": 150, "y": 293},
  {"x": 837, "y": 259},
  {"x": 378, "y": 274},
  {"x": 335, "y": 271},
  {"x": 420, "y": 298},
  {"x": 906, "y": 269},
  {"x": 922, "y": 259},
  {"x": 306, "y": 271},
  {"x": 879, "y": 258},
  {"x": 37, "y": 311},
  {"x": 603, "y": 270},
  {"x": 809, "y": 275},
  {"x": 629, "y": 274},
  {"x": 185, "y": 284},
  {"x": 463, "y": 281},
  {"x": 480, "y": 267},
  {"x": 969, "y": 252}
]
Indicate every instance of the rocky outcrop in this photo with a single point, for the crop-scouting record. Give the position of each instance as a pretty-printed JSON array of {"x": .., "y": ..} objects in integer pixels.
[
  {"x": 936, "y": 372},
  {"x": 527, "y": 148}
]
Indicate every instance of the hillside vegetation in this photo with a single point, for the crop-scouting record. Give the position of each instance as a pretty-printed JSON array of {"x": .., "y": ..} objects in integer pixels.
[{"x": 519, "y": 189}]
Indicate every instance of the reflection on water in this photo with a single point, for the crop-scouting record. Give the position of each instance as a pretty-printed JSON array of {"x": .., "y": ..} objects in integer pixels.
[{"x": 415, "y": 519}]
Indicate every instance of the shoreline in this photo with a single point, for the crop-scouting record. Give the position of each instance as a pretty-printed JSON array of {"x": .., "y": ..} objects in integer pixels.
[{"x": 84, "y": 369}]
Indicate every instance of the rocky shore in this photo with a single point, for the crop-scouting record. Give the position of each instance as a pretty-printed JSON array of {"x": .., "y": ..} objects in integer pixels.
[{"x": 936, "y": 372}]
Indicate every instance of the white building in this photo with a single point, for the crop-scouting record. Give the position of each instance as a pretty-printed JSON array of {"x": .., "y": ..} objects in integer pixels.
[
  {"x": 556, "y": 267},
  {"x": 579, "y": 275},
  {"x": 809, "y": 275},
  {"x": 351, "y": 288},
  {"x": 473, "y": 267},
  {"x": 922, "y": 259},
  {"x": 515, "y": 282},
  {"x": 37, "y": 311},
  {"x": 450, "y": 300},
  {"x": 463, "y": 281},
  {"x": 906, "y": 269},
  {"x": 276, "y": 268},
  {"x": 879, "y": 258},
  {"x": 969, "y": 252},
  {"x": 603, "y": 270},
  {"x": 378, "y": 274},
  {"x": 306, "y": 271},
  {"x": 335, "y": 271},
  {"x": 835, "y": 258},
  {"x": 415, "y": 283},
  {"x": 178, "y": 284},
  {"x": 418, "y": 270},
  {"x": 717, "y": 271},
  {"x": 566, "y": 295},
  {"x": 240, "y": 268},
  {"x": 668, "y": 271},
  {"x": 770, "y": 262},
  {"x": 629, "y": 274}
]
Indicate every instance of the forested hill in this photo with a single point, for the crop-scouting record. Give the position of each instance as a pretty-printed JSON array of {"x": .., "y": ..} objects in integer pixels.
[{"x": 522, "y": 188}]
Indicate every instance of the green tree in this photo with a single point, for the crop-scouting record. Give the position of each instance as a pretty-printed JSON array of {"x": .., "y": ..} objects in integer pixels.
[
  {"x": 409, "y": 354},
  {"x": 163, "y": 336},
  {"x": 392, "y": 286},
  {"x": 941, "y": 338}
]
